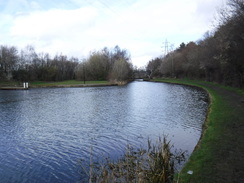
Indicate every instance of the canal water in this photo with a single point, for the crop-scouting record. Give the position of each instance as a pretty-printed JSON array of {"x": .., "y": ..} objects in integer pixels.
[{"x": 45, "y": 133}]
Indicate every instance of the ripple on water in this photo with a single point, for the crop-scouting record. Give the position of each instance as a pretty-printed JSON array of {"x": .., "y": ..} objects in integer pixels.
[{"x": 44, "y": 133}]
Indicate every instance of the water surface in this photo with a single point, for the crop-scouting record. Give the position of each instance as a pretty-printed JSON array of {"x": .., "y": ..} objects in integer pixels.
[{"x": 44, "y": 133}]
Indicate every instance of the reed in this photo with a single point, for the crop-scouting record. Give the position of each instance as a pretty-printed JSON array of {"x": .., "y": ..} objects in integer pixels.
[{"x": 154, "y": 164}]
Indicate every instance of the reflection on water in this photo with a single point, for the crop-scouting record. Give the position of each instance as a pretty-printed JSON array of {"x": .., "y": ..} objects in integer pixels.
[{"x": 45, "y": 132}]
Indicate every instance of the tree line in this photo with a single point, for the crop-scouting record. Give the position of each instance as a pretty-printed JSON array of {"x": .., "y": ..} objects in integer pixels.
[
  {"x": 217, "y": 57},
  {"x": 106, "y": 64},
  {"x": 27, "y": 65}
]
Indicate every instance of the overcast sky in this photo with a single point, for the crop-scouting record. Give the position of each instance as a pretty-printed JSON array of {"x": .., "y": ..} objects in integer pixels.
[{"x": 76, "y": 27}]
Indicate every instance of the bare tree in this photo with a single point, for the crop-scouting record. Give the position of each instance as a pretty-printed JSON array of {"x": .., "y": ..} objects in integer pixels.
[
  {"x": 121, "y": 71},
  {"x": 8, "y": 61}
]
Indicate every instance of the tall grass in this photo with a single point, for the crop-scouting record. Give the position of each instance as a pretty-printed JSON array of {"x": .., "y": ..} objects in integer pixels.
[{"x": 154, "y": 164}]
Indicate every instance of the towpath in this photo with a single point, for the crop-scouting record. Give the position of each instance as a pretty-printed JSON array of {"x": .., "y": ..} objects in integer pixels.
[{"x": 223, "y": 140}]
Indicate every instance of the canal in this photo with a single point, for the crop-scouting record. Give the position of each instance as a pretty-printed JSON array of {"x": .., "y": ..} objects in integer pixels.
[{"x": 45, "y": 132}]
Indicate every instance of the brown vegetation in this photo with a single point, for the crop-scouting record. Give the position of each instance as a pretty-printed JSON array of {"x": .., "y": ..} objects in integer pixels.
[
  {"x": 156, "y": 164},
  {"x": 218, "y": 57}
]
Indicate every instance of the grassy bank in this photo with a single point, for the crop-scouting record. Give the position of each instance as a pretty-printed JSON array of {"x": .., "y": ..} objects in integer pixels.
[
  {"x": 68, "y": 82},
  {"x": 218, "y": 156},
  {"x": 53, "y": 83},
  {"x": 10, "y": 83}
]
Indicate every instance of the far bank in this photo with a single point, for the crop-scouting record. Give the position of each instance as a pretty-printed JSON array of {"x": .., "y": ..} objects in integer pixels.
[{"x": 13, "y": 85}]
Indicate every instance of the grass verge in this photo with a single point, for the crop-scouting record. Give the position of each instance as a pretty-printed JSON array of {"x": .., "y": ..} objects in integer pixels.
[
  {"x": 10, "y": 83},
  {"x": 52, "y": 83},
  {"x": 68, "y": 82},
  {"x": 218, "y": 156}
]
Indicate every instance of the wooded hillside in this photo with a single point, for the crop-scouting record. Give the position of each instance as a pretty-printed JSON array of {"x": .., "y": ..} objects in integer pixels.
[{"x": 217, "y": 57}]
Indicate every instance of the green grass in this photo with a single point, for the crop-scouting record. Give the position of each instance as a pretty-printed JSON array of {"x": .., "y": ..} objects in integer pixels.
[
  {"x": 219, "y": 154},
  {"x": 52, "y": 83},
  {"x": 68, "y": 82},
  {"x": 199, "y": 83},
  {"x": 10, "y": 83},
  {"x": 201, "y": 161}
]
